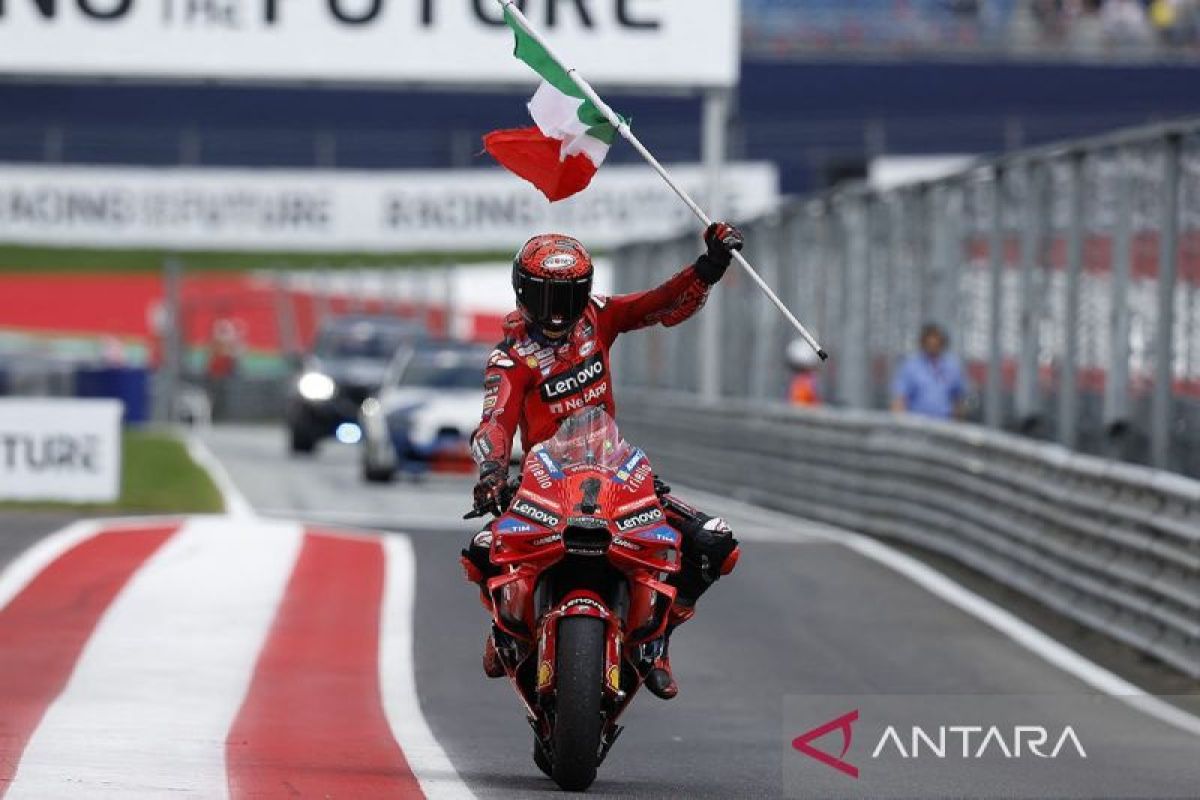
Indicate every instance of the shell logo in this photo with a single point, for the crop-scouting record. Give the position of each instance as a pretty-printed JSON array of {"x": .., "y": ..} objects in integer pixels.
[
  {"x": 614, "y": 677},
  {"x": 543, "y": 674}
]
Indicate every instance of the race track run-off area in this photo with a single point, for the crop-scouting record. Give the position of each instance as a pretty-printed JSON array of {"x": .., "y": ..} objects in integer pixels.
[{"x": 211, "y": 657}]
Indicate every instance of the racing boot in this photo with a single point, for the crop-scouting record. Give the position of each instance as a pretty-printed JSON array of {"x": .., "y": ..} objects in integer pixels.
[
  {"x": 492, "y": 666},
  {"x": 681, "y": 611},
  {"x": 659, "y": 679}
]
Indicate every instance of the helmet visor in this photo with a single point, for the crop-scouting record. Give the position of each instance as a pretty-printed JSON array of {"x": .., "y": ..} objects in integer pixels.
[{"x": 554, "y": 303}]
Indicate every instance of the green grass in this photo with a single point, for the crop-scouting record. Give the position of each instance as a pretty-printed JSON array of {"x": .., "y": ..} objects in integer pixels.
[
  {"x": 15, "y": 258},
  {"x": 157, "y": 477}
]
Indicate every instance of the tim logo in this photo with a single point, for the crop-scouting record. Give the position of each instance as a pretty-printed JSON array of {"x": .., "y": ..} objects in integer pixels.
[{"x": 845, "y": 724}]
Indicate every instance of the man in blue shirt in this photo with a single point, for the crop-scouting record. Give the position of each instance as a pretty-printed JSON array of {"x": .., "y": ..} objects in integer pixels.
[{"x": 931, "y": 382}]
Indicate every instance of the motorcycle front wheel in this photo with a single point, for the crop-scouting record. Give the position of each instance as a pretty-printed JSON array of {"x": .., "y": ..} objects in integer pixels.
[
  {"x": 578, "y": 723},
  {"x": 541, "y": 758}
]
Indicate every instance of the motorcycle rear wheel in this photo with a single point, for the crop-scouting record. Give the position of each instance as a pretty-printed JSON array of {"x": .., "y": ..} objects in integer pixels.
[{"x": 578, "y": 723}]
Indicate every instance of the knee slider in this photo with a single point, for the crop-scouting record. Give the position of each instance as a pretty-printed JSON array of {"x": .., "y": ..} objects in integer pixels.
[
  {"x": 711, "y": 546},
  {"x": 716, "y": 540}
]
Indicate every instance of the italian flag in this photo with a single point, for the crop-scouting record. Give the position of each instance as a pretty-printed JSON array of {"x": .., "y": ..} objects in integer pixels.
[{"x": 562, "y": 151}]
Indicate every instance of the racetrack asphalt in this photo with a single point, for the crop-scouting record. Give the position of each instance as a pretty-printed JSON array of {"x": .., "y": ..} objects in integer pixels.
[
  {"x": 801, "y": 616},
  {"x": 811, "y": 613},
  {"x": 20, "y": 529}
]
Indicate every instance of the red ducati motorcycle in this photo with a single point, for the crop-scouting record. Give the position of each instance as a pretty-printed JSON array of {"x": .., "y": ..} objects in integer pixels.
[{"x": 585, "y": 550}]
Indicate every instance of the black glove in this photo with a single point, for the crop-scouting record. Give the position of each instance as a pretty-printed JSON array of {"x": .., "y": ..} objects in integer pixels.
[
  {"x": 489, "y": 491},
  {"x": 722, "y": 239}
]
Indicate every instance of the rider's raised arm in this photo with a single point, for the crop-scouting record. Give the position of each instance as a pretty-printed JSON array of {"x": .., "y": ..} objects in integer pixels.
[
  {"x": 504, "y": 385},
  {"x": 681, "y": 296},
  {"x": 669, "y": 304}
]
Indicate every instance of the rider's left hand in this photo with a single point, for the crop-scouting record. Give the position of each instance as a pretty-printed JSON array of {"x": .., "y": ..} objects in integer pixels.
[{"x": 721, "y": 239}]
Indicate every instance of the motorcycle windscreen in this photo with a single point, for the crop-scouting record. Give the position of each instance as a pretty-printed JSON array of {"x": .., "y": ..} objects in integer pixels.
[{"x": 589, "y": 436}]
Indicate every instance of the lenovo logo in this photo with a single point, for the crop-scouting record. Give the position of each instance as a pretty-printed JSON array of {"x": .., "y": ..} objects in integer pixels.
[
  {"x": 565, "y": 384},
  {"x": 534, "y": 512},
  {"x": 640, "y": 519}
]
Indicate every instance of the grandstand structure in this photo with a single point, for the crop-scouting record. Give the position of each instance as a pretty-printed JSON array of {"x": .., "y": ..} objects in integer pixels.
[{"x": 825, "y": 87}]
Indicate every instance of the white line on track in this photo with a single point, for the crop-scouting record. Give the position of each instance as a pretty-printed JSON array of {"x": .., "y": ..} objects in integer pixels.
[
  {"x": 957, "y": 595},
  {"x": 26, "y": 566},
  {"x": 428, "y": 761},
  {"x": 153, "y": 696},
  {"x": 236, "y": 504}
]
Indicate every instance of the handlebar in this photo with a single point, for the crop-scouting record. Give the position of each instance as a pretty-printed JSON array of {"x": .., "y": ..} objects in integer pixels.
[{"x": 661, "y": 489}]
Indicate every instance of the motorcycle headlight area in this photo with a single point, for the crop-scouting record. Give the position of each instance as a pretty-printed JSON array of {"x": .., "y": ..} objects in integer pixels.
[{"x": 316, "y": 386}]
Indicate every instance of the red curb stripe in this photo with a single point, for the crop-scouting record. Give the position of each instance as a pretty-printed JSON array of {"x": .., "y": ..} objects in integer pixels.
[
  {"x": 312, "y": 723},
  {"x": 45, "y": 627}
]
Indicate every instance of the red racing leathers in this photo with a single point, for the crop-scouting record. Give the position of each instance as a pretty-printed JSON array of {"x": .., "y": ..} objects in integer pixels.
[{"x": 532, "y": 384}]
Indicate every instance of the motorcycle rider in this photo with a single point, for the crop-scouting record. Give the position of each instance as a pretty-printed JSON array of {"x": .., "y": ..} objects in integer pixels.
[{"x": 554, "y": 360}]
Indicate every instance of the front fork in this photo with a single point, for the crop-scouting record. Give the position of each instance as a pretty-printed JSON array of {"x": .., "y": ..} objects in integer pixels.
[{"x": 580, "y": 603}]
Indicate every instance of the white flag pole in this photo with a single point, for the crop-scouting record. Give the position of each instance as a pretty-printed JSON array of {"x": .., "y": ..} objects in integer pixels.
[{"x": 623, "y": 128}]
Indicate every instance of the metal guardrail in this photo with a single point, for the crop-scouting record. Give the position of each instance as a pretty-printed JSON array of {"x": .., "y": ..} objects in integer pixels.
[
  {"x": 1068, "y": 277},
  {"x": 1113, "y": 546}
]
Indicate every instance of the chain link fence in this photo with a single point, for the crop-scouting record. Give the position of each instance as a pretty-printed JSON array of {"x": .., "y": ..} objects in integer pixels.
[{"x": 1067, "y": 276}]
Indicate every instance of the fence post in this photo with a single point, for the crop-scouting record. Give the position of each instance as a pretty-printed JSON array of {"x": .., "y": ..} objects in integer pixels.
[
  {"x": 765, "y": 353},
  {"x": 1068, "y": 384},
  {"x": 854, "y": 368},
  {"x": 1028, "y": 392},
  {"x": 1161, "y": 405},
  {"x": 1116, "y": 386},
  {"x": 822, "y": 283},
  {"x": 321, "y": 289},
  {"x": 452, "y": 321},
  {"x": 285, "y": 313},
  {"x": 924, "y": 250},
  {"x": 944, "y": 289},
  {"x": 172, "y": 339},
  {"x": 993, "y": 403},
  {"x": 716, "y": 122}
]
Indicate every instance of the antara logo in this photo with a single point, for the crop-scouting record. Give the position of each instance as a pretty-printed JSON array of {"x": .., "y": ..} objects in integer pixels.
[
  {"x": 845, "y": 724},
  {"x": 966, "y": 742}
]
